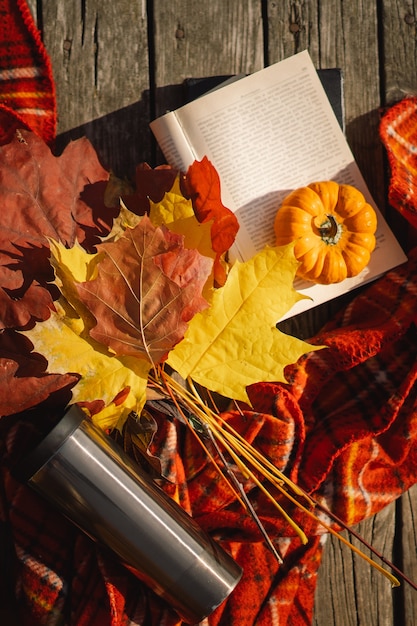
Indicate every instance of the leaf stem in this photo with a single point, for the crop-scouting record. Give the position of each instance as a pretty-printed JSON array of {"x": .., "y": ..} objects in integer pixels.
[
  {"x": 247, "y": 502},
  {"x": 221, "y": 432}
]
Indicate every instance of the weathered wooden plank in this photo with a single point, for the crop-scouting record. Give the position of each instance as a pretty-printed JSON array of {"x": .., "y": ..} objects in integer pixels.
[
  {"x": 99, "y": 54},
  {"x": 399, "y": 24},
  {"x": 292, "y": 27},
  {"x": 407, "y": 527},
  {"x": 351, "y": 592},
  {"x": 196, "y": 39},
  {"x": 33, "y": 6}
]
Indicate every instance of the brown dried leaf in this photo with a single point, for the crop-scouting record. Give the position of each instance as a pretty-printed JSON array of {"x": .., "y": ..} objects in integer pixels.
[
  {"x": 147, "y": 289},
  {"x": 40, "y": 196}
]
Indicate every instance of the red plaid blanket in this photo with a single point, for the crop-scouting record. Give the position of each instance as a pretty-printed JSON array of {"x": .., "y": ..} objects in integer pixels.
[
  {"x": 26, "y": 85},
  {"x": 399, "y": 134},
  {"x": 344, "y": 428}
]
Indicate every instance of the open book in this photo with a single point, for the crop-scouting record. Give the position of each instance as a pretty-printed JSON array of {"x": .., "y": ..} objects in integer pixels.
[{"x": 267, "y": 134}]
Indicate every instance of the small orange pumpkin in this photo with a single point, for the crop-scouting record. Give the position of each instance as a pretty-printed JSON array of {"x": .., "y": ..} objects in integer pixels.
[{"x": 333, "y": 228}]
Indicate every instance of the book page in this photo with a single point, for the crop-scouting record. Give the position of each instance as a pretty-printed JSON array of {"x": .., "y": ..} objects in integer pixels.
[
  {"x": 173, "y": 142},
  {"x": 267, "y": 134}
]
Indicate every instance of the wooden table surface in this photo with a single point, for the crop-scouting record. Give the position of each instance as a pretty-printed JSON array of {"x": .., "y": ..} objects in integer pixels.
[{"x": 118, "y": 64}]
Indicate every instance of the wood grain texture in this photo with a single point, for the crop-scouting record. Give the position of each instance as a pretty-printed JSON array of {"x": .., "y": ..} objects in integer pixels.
[
  {"x": 350, "y": 592},
  {"x": 33, "y": 6},
  {"x": 399, "y": 41},
  {"x": 407, "y": 527},
  {"x": 99, "y": 54},
  {"x": 200, "y": 39},
  {"x": 203, "y": 38}
]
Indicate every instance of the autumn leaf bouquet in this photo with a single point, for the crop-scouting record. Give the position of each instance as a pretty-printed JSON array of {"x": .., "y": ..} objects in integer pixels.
[
  {"x": 119, "y": 297},
  {"x": 118, "y": 285},
  {"x": 122, "y": 294}
]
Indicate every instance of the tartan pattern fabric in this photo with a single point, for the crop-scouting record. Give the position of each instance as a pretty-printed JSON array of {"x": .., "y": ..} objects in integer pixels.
[
  {"x": 27, "y": 89},
  {"x": 344, "y": 428},
  {"x": 398, "y": 131}
]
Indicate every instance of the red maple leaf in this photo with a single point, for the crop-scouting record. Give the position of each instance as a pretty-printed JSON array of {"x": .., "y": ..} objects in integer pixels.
[
  {"x": 42, "y": 196},
  {"x": 148, "y": 287},
  {"x": 151, "y": 184},
  {"x": 201, "y": 184},
  {"x": 24, "y": 382}
]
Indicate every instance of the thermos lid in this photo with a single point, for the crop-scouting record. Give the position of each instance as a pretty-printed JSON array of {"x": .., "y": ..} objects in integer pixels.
[{"x": 48, "y": 447}]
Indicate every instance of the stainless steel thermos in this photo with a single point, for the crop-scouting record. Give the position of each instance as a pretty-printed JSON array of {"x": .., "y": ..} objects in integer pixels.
[{"x": 90, "y": 479}]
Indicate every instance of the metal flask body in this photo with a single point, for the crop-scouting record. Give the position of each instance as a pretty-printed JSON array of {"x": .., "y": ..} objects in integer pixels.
[{"x": 90, "y": 479}]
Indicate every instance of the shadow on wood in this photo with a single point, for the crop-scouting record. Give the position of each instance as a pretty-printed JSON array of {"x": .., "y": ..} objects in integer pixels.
[{"x": 122, "y": 139}]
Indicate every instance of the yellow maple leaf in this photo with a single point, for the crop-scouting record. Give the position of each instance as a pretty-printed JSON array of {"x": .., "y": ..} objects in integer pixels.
[
  {"x": 125, "y": 219},
  {"x": 177, "y": 214},
  {"x": 103, "y": 375},
  {"x": 235, "y": 342},
  {"x": 73, "y": 265},
  {"x": 173, "y": 206}
]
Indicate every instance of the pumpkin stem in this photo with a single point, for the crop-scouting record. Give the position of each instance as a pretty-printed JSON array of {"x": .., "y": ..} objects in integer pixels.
[{"x": 330, "y": 230}]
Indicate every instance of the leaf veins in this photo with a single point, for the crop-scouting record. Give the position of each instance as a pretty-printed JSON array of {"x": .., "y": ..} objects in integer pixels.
[{"x": 147, "y": 289}]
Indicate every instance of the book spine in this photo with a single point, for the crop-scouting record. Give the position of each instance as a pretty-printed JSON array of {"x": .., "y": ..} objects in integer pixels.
[{"x": 174, "y": 141}]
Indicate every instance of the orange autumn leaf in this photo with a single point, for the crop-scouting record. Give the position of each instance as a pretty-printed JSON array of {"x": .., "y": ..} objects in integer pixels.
[{"x": 202, "y": 184}]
